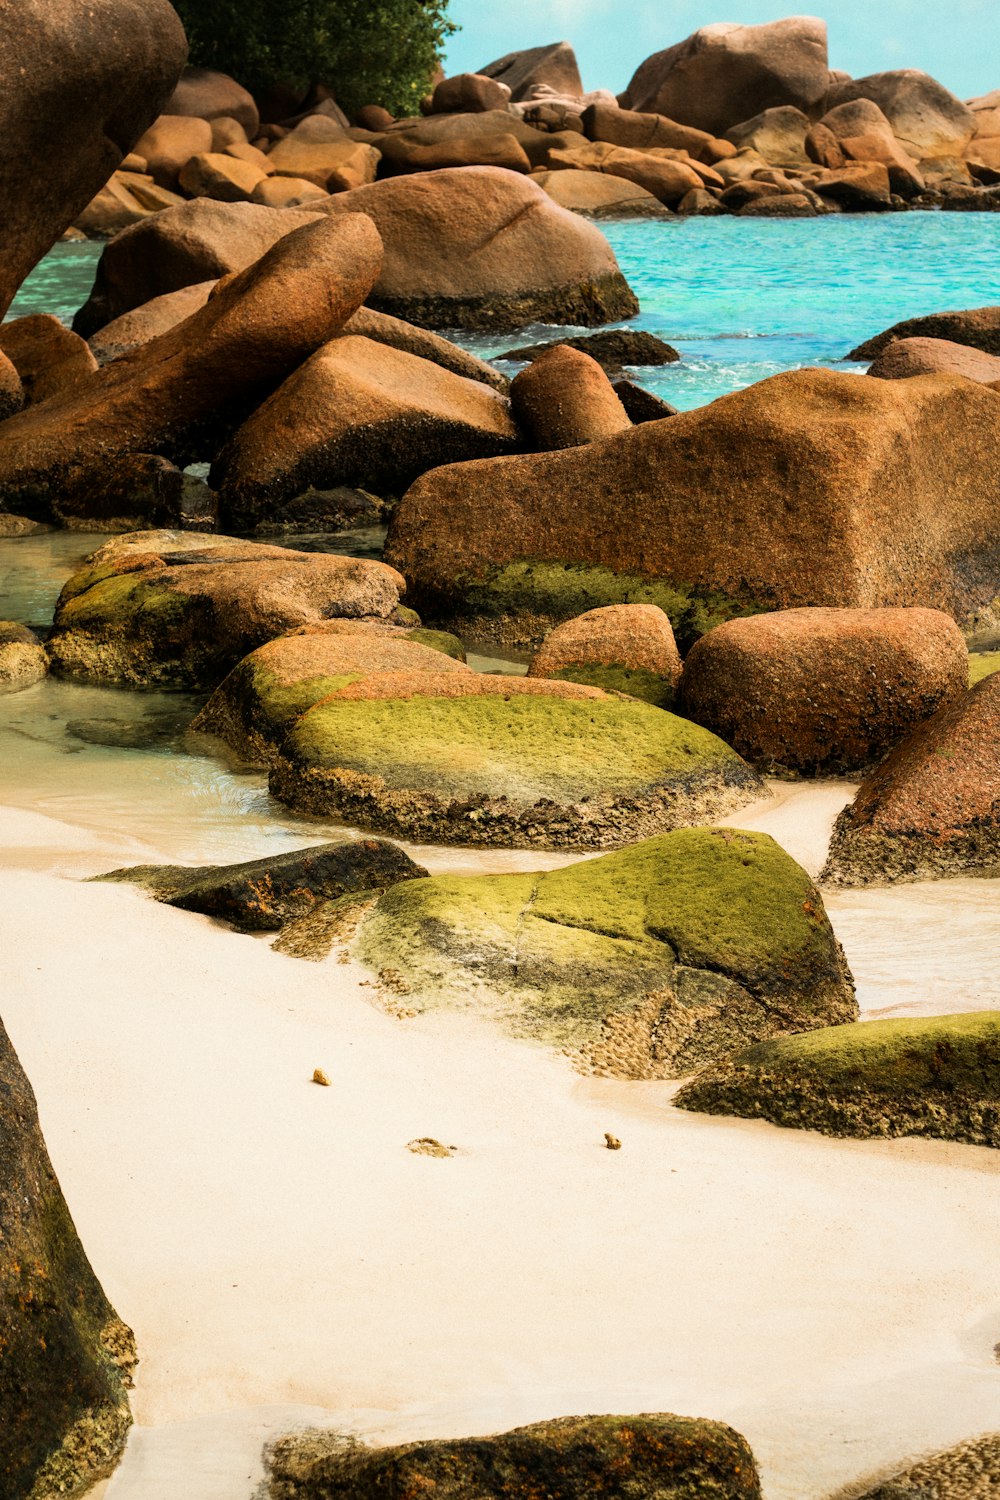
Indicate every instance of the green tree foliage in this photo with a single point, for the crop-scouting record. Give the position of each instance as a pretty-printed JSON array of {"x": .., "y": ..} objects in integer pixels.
[{"x": 368, "y": 51}]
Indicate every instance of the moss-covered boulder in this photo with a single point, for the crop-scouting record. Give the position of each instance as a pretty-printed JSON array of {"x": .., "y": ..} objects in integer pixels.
[
  {"x": 65, "y": 1356},
  {"x": 23, "y": 661},
  {"x": 645, "y": 963},
  {"x": 983, "y": 664},
  {"x": 180, "y": 609},
  {"x": 628, "y": 648},
  {"x": 656, "y": 1457},
  {"x": 937, "y": 1076},
  {"x": 969, "y": 1472},
  {"x": 261, "y": 895}
]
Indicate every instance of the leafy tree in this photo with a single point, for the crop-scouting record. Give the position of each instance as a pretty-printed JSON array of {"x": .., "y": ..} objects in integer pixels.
[{"x": 368, "y": 51}]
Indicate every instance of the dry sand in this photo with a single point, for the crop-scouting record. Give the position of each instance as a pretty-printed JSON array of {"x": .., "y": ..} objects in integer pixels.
[{"x": 283, "y": 1258}]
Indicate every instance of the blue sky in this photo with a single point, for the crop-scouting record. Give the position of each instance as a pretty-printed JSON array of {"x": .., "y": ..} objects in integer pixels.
[{"x": 956, "y": 40}]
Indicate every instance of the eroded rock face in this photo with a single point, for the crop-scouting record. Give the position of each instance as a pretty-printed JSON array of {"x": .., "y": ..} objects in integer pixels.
[
  {"x": 904, "y": 358},
  {"x": 182, "y": 608},
  {"x": 936, "y": 1076},
  {"x": 625, "y": 648},
  {"x": 978, "y": 327},
  {"x": 926, "y": 119},
  {"x": 823, "y": 691},
  {"x": 67, "y": 1356},
  {"x": 932, "y": 809},
  {"x": 645, "y": 963},
  {"x": 78, "y": 89},
  {"x": 725, "y": 73},
  {"x": 810, "y": 488}
]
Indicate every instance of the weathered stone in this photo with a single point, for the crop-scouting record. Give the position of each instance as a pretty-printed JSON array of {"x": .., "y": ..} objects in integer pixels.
[
  {"x": 926, "y": 119},
  {"x": 214, "y": 96},
  {"x": 397, "y": 334},
  {"x": 335, "y": 166},
  {"x": 863, "y": 134},
  {"x": 978, "y": 327},
  {"x": 859, "y": 188},
  {"x": 780, "y": 206},
  {"x": 564, "y": 398},
  {"x": 629, "y": 127},
  {"x": 147, "y": 322},
  {"x": 48, "y": 358},
  {"x": 22, "y": 657},
  {"x": 169, "y": 143},
  {"x": 667, "y": 179},
  {"x": 222, "y": 177},
  {"x": 964, "y": 1473},
  {"x": 641, "y": 405},
  {"x": 537, "y": 70},
  {"x": 779, "y": 135},
  {"x": 11, "y": 390},
  {"x": 465, "y": 92},
  {"x": 599, "y": 197},
  {"x": 627, "y": 648},
  {"x": 402, "y": 152},
  {"x": 611, "y": 348},
  {"x": 904, "y": 358},
  {"x": 286, "y": 192}
]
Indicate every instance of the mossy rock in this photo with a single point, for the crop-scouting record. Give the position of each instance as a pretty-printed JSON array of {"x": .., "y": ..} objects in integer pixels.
[
  {"x": 649, "y": 1457},
  {"x": 503, "y": 761},
  {"x": 938, "y": 1077},
  {"x": 644, "y": 963},
  {"x": 983, "y": 664},
  {"x": 971, "y": 1471},
  {"x": 65, "y": 1356},
  {"x": 612, "y": 677}
]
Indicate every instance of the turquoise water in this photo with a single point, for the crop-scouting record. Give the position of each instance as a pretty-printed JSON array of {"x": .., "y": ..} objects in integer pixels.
[{"x": 740, "y": 298}]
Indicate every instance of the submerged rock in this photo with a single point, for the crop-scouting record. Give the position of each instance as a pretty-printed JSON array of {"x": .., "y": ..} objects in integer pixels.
[
  {"x": 932, "y": 808},
  {"x": 612, "y": 348},
  {"x": 23, "y": 661},
  {"x": 628, "y": 648},
  {"x": 645, "y": 963},
  {"x": 67, "y": 1356},
  {"x": 261, "y": 895},
  {"x": 978, "y": 327},
  {"x": 937, "y": 1076}
]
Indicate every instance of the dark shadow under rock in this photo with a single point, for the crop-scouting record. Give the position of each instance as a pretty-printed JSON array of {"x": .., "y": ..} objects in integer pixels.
[{"x": 612, "y": 348}]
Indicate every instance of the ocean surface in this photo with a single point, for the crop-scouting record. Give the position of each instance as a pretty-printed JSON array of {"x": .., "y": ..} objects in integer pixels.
[{"x": 740, "y": 299}]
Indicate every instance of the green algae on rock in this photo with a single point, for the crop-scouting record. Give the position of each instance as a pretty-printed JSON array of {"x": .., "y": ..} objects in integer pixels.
[
  {"x": 971, "y": 1471},
  {"x": 469, "y": 758},
  {"x": 656, "y": 1456},
  {"x": 983, "y": 664},
  {"x": 625, "y": 648},
  {"x": 66, "y": 1356},
  {"x": 23, "y": 661},
  {"x": 937, "y": 1076},
  {"x": 645, "y": 963}
]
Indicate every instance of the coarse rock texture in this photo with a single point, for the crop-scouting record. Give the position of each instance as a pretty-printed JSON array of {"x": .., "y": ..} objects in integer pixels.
[
  {"x": 405, "y": 152},
  {"x": 667, "y": 177},
  {"x": 535, "y": 72},
  {"x": 564, "y": 399},
  {"x": 477, "y": 247},
  {"x": 859, "y": 187},
  {"x": 809, "y": 488},
  {"x": 861, "y": 133},
  {"x": 23, "y": 661},
  {"x": 977, "y": 327},
  {"x": 286, "y": 192},
  {"x": 646, "y": 963},
  {"x": 599, "y": 197},
  {"x": 78, "y": 89},
  {"x": 263, "y": 696},
  {"x": 425, "y": 344},
  {"x": 644, "y": 132},
  {"x": 130, "y": 492},
  {"x": 823, "y": 691},
  {"x": 215, "y": 174},
  {"x": 612, "y": 348},
  {"x": 213, "y": 96},
  {"x": 506, "y": 761},
  {"x": 927, "y": 120},
  {"x": 46, "y": 355},
  {"x": 262, "y": 895},
  {"x": 906, "y": 357},
  {"x": 969, "y": 1472},
  {"x": 11, "y": 390},
  {"x": 182, "y": 608},
  {"x": 357, "y": 413},
  {"x": 935, "y": 1076},
  {"x": 182, "y": 247},
  {"x": 724, "y": 74},
  {"x": 335, "y": 166},
  {"x": 641, "y": 405},
  {"x": 465, "y": 92},
  {"x": 627, "y": 648},
  {"x": 181, "y": 394},
  {"x": 67, "y": 1357},
  {"x": 133, "y": 329},
  {"x": 778, "y": 134},
  {"x": 932, "y": 808},
  {"x": 170, "y": 143}
]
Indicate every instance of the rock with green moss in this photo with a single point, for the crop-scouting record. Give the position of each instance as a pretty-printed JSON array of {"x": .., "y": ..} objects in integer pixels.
[
  {"x": 461, "y": 757},
  {"x": 23, "y": 661},
  {"x": 180, "y": 609},
  {"x": 645, "y": 963},
  {"x": 657, "y": 1457},
  {"x": 937, "y": 1076},
  {"x": 971, "y": 1471},
  {"x": 65, "y": 1356},
  {"x": 983, "y": 664},
  {"x": 625, "y": 648}
]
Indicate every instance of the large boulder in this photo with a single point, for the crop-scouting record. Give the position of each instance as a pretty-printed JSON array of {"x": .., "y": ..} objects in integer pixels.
[
  {"x": 208, "y": 95},
  {"x": 47, "y": 356},
  {"x": 133, "y": 329},
  {"x": 403, "y": 152},
  {"x": 667, "y": 177},
  {"x": 466, "y": 93},
  {"x": 478, "y": 247},
  {"x": 863, "y": 134},
  {"x": 600, "y": 197},
  {"x": 357, "y": 413},
  {"x": 810, "y": 488},
  {"x": 612, "y": 348},
  {"x": 986, "y": 109},
  {"x": 645, "y": 963},
  {"x": 67, "y": 1356},
  {"x": 169, "y": 144},
  {"x": 926, "y": 119},
  {"x": 778, "y": 134},
  {"x": 937, "y": 1076},
  {"x": 626, "y": 648},
  {"x": 564, "y": 398},
  {"x": 425, "y": 344},
  {"x": 978, "y": 327},
  {"x": 726, "y": 73},
  {"x": 823, "y": 691},
  {"x": 537, "y": 71},
  {"x": 336, "y": 166},
  {"x": 904, "y": 358},
  {"x": 968, "y": 1472},
  {"x": 932, "y": 808},
  {"x": 182, "y": 608},
  {"x": 180, "y": 394},
  {"x": 79, "y": 88},
  {"x": 216, "y": 174},
  {"x": 643, "y": 132}
]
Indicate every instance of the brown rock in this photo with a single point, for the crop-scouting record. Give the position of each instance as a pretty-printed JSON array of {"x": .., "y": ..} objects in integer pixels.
[
  {"x": 357, "y": 413},
  {"x": 79, "y": 88},
  {"x": 214, "y": 96},
  {"x": 983, "y": 160},
  {"x": 986, "y": 111},
  {"x": 552, "y": 68},
  {"x": 641, "y": 405},
  {"x": 926, "y": 118},
  {"x": 823, "y": 147},
  {"x": 334, "y": 165},
  {"x": 373, "y": 117},
  {"x": 177, "y": 394},
  {"x": 932, "y": 808},
  {"x": 564, "y": 399},
  {"x": 626, "y": 647},
  {"x": 725, "y": 73},
  {"x": 223, "y": 177},
  {"x": 823, "y": 691},
  {"x": 977, "y": 327},
  {"x": 745, "y": 164},
  {"x": 668, "y": 180},
  {"x": 169, "y": 143},
  {"x": 227, "y": 132},
  {"x": 861, "y": 188},
  {"x": 243, "y": 151},
  {"x": 22, "y": 657},
  {"x": 864, "y": 134},
  {"x": 781, "y": 206},
  {"x": 286, "y": 192},
  {"x": 612, "y": 348},
  {"x": 810, "y": 488},
  {"x": 404, "y": 153},
  {"x": 700, "y": 201},
  {"x": 46, "y": 355},
  {"x": 383, "y": 329},
  {"x": 113, "y": 209},
  {"x": 629, "y": 127},
  {"x": 599, "y": 197},
  {"x": 11, "y": 390},
  {"x": 779, "y": 135},
  {"x": 749, "y": 191},
  {"x": 476, "y": 247},
  {"x": 159, "y": 315},
  {"x": 146, "y": 192},
  {"x": 904, "y": 358},
  {"x": 469, "y": 93}
]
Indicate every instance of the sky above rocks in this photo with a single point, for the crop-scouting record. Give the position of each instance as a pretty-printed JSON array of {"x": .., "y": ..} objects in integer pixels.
[{"x": 959, "y": 42}]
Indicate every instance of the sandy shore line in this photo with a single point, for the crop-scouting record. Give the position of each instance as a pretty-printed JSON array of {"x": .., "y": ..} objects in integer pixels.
[{"x": 282, "y": 1257}]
